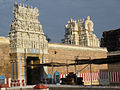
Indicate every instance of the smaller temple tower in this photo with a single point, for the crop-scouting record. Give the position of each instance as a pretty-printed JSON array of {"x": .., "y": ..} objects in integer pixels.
[
  {"x": 81, "y": 33},
  {"x": 72, "y": 36}
]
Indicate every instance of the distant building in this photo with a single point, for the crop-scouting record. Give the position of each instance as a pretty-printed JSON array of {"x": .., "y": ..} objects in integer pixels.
[
  {"x": 81, "y": 33},
  {"x": 111, "y": 40}
]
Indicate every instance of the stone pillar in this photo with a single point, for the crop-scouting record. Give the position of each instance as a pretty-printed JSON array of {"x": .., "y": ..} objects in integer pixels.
[
  {"x": 16, "y": 69},
  {"x": 20, "y": 74}
]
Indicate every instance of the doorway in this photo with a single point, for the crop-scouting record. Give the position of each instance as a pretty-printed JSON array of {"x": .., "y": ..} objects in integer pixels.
[{"x": 34, "y": 73}]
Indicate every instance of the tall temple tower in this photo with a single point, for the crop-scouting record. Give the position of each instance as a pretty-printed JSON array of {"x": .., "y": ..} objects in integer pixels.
[
  {"x": 81, "y": 33},
  {"x": 28, "y": 44}
]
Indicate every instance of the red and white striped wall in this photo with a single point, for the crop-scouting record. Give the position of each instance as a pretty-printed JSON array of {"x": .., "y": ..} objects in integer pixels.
[
  {"x": 7, "y": 81},
  {"x": 63, "y": 75},
  {"x": 14, "y": 83},
  {"x": 113, "y": 77}
]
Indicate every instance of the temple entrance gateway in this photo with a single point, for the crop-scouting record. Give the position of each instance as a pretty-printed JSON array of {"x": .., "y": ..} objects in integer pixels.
[
  {"x": 28, "y": 45},
  {"x": 34, "y": 74}
]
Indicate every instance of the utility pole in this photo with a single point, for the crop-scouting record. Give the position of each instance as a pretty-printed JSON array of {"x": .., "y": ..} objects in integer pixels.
[
  {"x": 67, "y": 66},
  {"x": 76, "y": 67},
  {"x": 52, "y": 69},
  {"x": 90, "y": 71}
]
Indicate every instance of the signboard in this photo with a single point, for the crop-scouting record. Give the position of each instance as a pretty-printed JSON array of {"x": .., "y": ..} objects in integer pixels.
[{"x": 30, "y": 50}]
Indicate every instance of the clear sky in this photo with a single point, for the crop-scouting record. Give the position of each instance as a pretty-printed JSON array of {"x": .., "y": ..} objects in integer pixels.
[{"x": 54, "y": 14}]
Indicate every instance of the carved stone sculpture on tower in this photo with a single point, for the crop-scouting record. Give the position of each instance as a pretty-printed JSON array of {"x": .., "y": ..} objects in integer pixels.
[
  {"x": 89, "y": 24},
  {"x": 26, "y": 31},
  {"x": 81, "y": 33}
]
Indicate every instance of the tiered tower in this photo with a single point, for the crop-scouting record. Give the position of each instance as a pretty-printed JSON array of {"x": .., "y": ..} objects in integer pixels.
[
  {"x": 81, "y": 33},
  {"x": 28, "y": 44}
]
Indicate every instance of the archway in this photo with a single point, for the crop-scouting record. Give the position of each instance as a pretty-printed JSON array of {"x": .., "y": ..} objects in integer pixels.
[{"x": 34, "y": 74}]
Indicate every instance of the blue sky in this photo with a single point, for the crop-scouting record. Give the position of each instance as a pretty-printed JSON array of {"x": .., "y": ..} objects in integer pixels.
[{"x": 54, "y": 14}]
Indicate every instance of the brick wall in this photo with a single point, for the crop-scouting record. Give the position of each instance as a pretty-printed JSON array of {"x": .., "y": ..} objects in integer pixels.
[
  {"x": 5, "y": 65},
  {"x": 67, "y": 53},
  {"x": 58, "y": 53}
]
